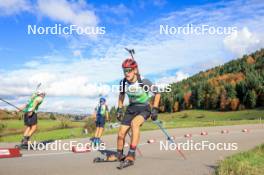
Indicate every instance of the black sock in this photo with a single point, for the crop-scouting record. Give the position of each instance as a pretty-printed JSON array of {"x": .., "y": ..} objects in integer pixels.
[
  {"x": 25, "y": 139},
  {"x": 120, "y": 153}
]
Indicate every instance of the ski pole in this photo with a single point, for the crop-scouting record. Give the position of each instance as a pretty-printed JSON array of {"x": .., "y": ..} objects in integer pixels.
[
  {"x": 157, "y": 122},
  {"x": 131, "y": 52},
  {"x": 10, "y": 104},
  {"x": 38, "y": 86}
]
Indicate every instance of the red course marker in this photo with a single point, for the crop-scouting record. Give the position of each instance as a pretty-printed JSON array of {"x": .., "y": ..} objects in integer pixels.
[
  {"x": 225, "y": 131},
  {"x": 204, "y": 133},
  {"x": 188, "y": 135},
  {"x": 151, "y": 141},
  {"x": 245, "y": 130},
  {"x": 9, "y": 152}
]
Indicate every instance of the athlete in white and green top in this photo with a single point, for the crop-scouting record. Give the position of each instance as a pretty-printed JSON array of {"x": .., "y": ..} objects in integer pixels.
[
  {"x": 30, "y": 115},
  {"x": 141, "y": 94},
  {"x": 31, "y": 107},
  {"x": 100, "y": 114}
]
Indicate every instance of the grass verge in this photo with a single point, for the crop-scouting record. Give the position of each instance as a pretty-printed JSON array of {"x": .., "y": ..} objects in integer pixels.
[{"x": 245, "y": 163}]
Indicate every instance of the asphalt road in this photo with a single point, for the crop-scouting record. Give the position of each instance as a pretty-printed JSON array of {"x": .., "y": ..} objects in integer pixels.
[{"x": 154, "y": 161}]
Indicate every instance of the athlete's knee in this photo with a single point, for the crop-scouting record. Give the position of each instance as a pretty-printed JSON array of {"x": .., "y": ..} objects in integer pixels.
[
  {"x": 35, "y": 127},
  {"x": 136, "y": 123},
  {"x": 134, "y": 126},
  {"x": 121, "y": 136}
]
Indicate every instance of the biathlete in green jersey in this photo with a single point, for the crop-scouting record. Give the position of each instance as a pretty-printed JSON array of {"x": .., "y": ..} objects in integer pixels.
[
  {"x": 143, "y": 102},
  {"x": 30, "y": 115},
  {"x": 101, "y": 115}
]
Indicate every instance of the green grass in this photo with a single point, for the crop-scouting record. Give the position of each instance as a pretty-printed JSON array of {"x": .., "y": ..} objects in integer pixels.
[
  {"x": 14, "y": 127},
  {"x": 214, "y": 115},
  {"x": 18, "y": 124},
  {"x": 201, "y": 118},
  {"x": 246, "y": 163},
  {"x": 48, "y": 129}
]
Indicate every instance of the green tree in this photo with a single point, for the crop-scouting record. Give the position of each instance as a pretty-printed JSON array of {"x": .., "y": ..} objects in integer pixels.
[
  {"x": 214, "y": 99},
  {"x": 231, "y": 91},
  {"x": 168, "y": 105},
  {"x": 241, "y": 90},
  {"x": 52, "y": 117},
  {"x": 260, "y": 99},
  {"x": 251, "y": 99},
  {"x": 223, "y": 99},
  {"x": 200, "y": 97},
  {"x": 253, "y": 80}
]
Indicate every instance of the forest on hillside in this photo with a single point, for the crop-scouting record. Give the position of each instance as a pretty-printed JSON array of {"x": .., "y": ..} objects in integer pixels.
[{"x": 236, "y": 85}]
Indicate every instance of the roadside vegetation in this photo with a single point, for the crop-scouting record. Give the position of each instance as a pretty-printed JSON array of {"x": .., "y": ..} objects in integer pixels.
[
  {"x": 64, "y": 128},
  {"x": 245, "y": 163}
]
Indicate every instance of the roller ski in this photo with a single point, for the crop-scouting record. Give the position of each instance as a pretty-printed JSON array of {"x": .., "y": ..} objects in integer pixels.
[
  {"x": 110, "y": 158},
  {"x": 30, "y": 146},
  {"x": 128, "y": 161},
  {"x": 24, "y": 143},
  {"x": 22, "y": 146},
  {"x": 125, "y": 164}
]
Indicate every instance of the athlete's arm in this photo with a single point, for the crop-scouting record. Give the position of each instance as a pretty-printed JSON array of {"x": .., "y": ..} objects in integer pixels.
[
  {"x": 121, "y": 97},
  {"x": 94, "y": 114},
  {"x": 154, "y": 90},
  {"x": 22, "y": 107},
  {"x": 36, "y": 102},
  {"x": 121, "y": 100},
  {"x": 107, "y": 115},
  {"x": 156, "y": 100}
]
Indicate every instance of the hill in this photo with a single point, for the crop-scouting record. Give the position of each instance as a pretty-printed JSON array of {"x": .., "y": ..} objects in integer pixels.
[{"x": 236, "y": 85}]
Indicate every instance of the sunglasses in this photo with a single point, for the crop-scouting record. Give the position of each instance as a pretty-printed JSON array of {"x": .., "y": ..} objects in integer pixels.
[{"x": 127, "y": 70}]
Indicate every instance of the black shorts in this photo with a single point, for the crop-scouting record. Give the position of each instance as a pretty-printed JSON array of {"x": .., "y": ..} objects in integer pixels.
[
  {"x": 30, "y": 120},
  {"x": 100, "y": 122},
  {"x": 134, "y": 110}
]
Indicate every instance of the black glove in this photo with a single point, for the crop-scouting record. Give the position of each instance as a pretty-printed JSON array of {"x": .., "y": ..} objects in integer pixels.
[
  {"x": 119, "y": 114},
  {"x": 154, "y": 113}
]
